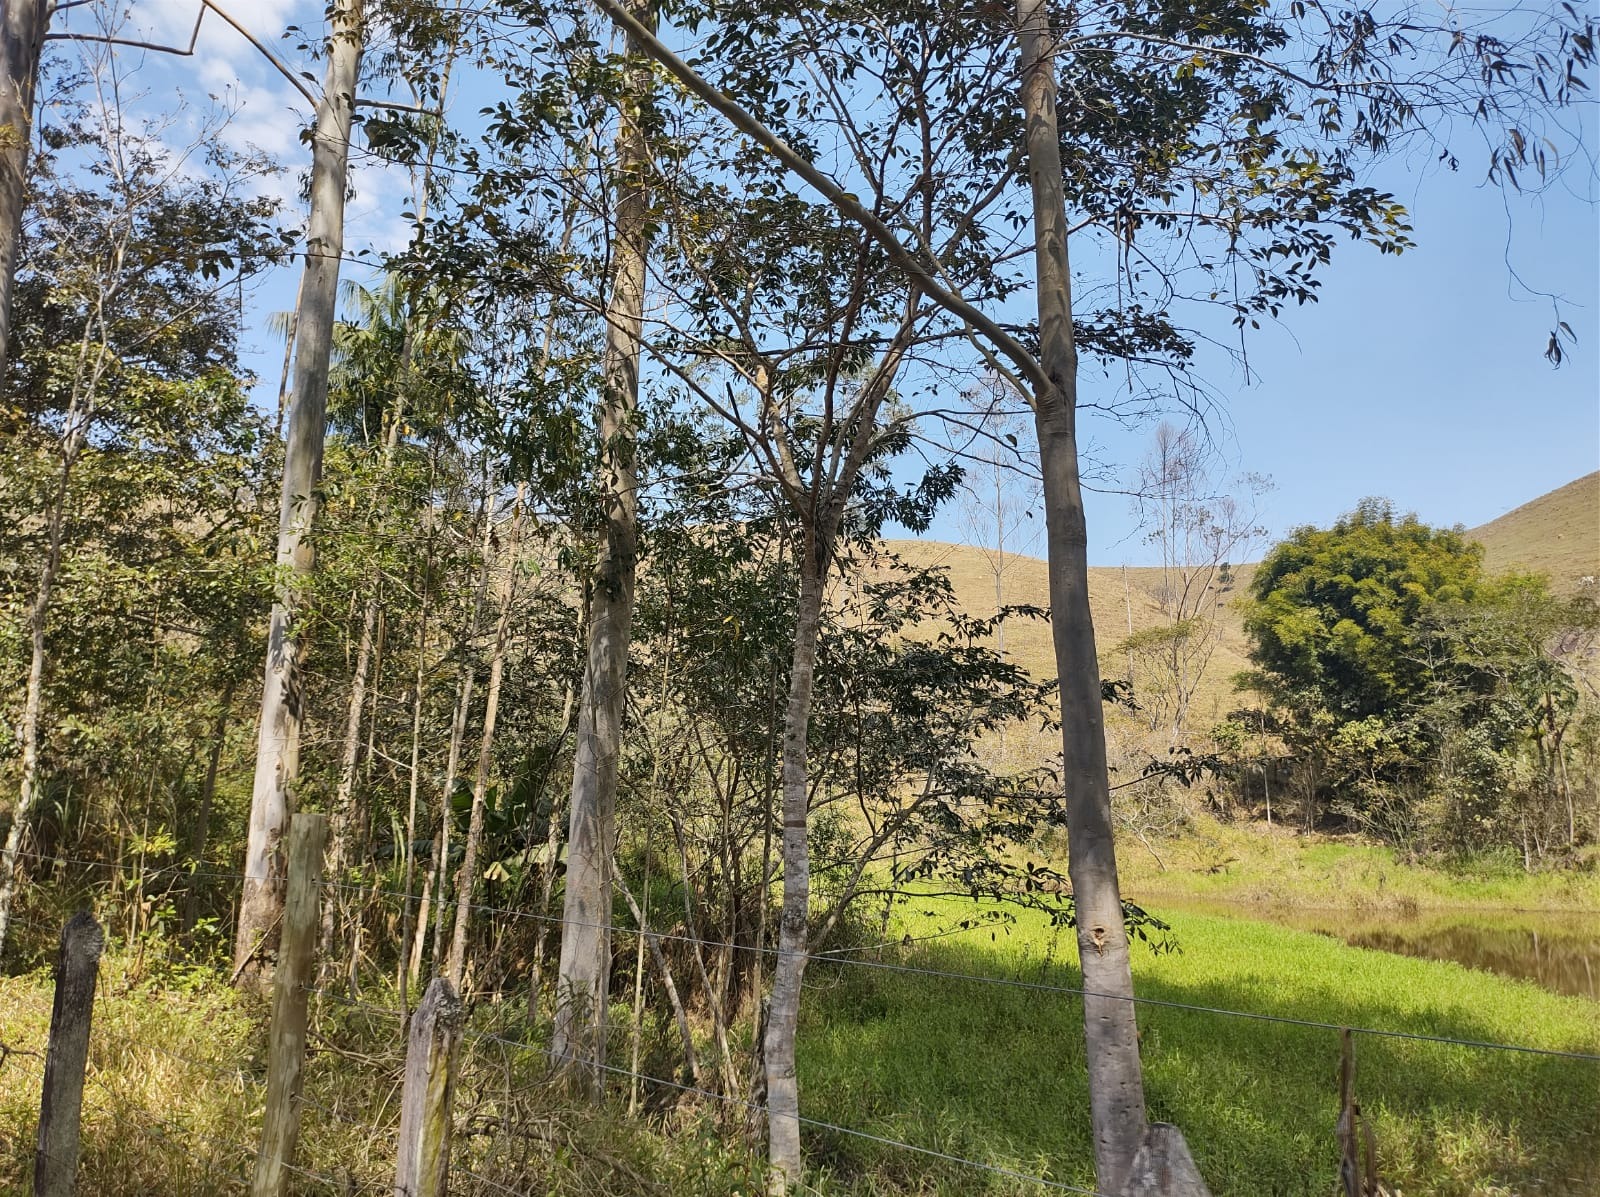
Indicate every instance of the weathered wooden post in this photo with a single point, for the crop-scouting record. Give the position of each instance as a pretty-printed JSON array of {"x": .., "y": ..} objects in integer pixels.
[
  {"x": 424, "y": 1155},
  {"x": 55, "y": 1161},
  {"x": 1163, "y": 1167},
  {"x": 286, "y": 1050}
]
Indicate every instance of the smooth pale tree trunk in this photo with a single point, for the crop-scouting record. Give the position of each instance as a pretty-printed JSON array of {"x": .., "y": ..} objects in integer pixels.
[
  {"x": 22, "y": 30},
  {"x": 584, "y": 976},
  {"x": 93, "y": 360},
  {"x": 455, "y": 964},
  {"x": 784, "y": 1163},
  {"x": 778, "y": 1048},
  {"x": 1116, "y": 1085},
  {"x": 278, "y": 745}
]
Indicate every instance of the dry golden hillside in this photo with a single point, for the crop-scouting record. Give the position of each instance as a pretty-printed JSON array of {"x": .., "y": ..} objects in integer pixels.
[
  {"x": 1556, "y": 534},
  {"x": 1119, "y": 599}
]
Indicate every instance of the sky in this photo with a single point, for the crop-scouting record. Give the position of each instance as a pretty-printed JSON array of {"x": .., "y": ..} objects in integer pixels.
[{"x": 1420, "y": 378}]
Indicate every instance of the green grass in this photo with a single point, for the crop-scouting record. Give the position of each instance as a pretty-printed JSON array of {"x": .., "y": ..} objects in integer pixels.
[
  {"x": 997, "y": 1074},
  {"x": 976, "y": 1070},
  {"x": 1248, "y": 863}
]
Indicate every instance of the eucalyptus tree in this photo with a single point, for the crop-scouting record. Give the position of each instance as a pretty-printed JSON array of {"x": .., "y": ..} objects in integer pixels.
[
  {"x": 130, "y": 263},
  {"x": 427, "y": 34},
  {"x": 1212, "y": 155},
  {"x": 22, "y": 33},
  {"x": 278, "y": 738},
  {"x": 583, "y": 980}
]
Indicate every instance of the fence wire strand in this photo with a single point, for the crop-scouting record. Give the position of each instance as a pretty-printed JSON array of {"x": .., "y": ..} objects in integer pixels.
[
  {"x": 913, "y": 970},
  {"x": 818, "y": 1123},
  {"x": 1004, "y": 982}
]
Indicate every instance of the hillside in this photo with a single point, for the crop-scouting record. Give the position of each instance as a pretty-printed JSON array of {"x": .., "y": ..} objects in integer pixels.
[
  {"x": 1556, "y": 534},
  {"x": 1121, "y": 601}
]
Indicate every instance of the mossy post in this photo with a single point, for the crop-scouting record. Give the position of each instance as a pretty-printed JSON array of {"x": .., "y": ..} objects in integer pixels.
[
  {"x": 55, "y": 1161},
  {"x": 286, "y": 1048},
  {"x": 423, "y": 1163}
]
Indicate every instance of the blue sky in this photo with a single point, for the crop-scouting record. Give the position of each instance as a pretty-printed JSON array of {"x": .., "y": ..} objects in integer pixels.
[{"x": 1420, "y": 378}]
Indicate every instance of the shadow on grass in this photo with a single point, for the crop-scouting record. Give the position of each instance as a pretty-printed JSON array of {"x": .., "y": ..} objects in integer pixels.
[{"x": 997, "y": 1074}]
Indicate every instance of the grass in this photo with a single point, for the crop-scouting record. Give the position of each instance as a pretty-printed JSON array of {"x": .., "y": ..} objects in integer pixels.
[
  {"x": 1556, "y": 534},
  {"x": 976, "y": 1070},
  {"x": 997, "y": 1074},
  {"x": 182, "y": 1110},
  {"x": 1254, "y": 865}
]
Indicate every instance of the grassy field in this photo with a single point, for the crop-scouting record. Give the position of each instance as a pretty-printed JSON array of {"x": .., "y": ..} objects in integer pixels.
[
  {"x": 982, "y": 1071},
  {"x": 997, "y": 1074},
  {"x": 1255, "y": 865}
]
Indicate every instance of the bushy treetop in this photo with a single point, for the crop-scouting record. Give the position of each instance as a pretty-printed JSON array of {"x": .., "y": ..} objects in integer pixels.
[{"x": 1335, "y": 613}]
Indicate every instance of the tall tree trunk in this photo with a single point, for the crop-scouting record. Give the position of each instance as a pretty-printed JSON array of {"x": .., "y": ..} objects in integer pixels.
[
  {"x": 33, "y": 700},
  {"x": 91, "y": 366},
  {"x": 22, "y": 29},
  {"x": 585, "y": 966},
  {"x": 1116, "y": 1086},
  {"x": 778, "y": 1050},
  {"x": 278, "y": 746},
  {"x": 465, "y": 680},
  {"x": 455, "y": 963}
]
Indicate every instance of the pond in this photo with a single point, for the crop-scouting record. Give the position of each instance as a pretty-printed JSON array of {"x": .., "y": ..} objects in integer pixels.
[{"x": 1559, "y": 950}]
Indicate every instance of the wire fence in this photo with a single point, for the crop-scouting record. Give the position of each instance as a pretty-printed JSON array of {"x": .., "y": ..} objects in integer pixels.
[{"x": 349, "y": 1101}]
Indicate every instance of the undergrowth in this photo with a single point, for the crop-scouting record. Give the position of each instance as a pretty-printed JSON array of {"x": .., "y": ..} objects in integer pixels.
[{"x": 977, "y": 1071}]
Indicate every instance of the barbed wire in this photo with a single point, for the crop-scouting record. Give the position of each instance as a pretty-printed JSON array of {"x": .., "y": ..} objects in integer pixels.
[
  {"x": 802, "y": 1119},
  {"x": 954, "y": 975},
  {"x": 1012, "y": 983}
]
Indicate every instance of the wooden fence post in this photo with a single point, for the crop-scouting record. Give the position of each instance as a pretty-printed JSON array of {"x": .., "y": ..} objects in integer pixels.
[
  {"x": 55, "y": 1161},
  {"x": 423, "y": 1162},
  {"x": 1163, "y": 1167},
  {"x": 286, "y": 1049}
]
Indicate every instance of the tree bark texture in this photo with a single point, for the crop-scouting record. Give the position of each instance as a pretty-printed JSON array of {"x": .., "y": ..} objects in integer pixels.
[
  {"x": 1116, "y": 1086},
  {"x": 422, "y": 1167},
  {"x": 286, "y": 1042},
  {"x": 583, "y": 980},
  {"x": 22, "y": 30},
  {"x": 778, "y": 1049},
  {"x": 278, "y": 745}
]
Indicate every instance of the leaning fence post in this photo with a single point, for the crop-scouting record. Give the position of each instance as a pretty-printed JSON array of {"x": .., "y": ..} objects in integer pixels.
[
  {"x": 55, "y": 1161},
  {"x": 286, "y": 1049},
  {"x": 424, "y": 1155}
]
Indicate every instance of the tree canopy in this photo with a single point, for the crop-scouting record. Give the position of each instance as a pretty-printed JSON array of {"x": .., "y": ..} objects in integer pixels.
[{"x": 1336, "y": 613}]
